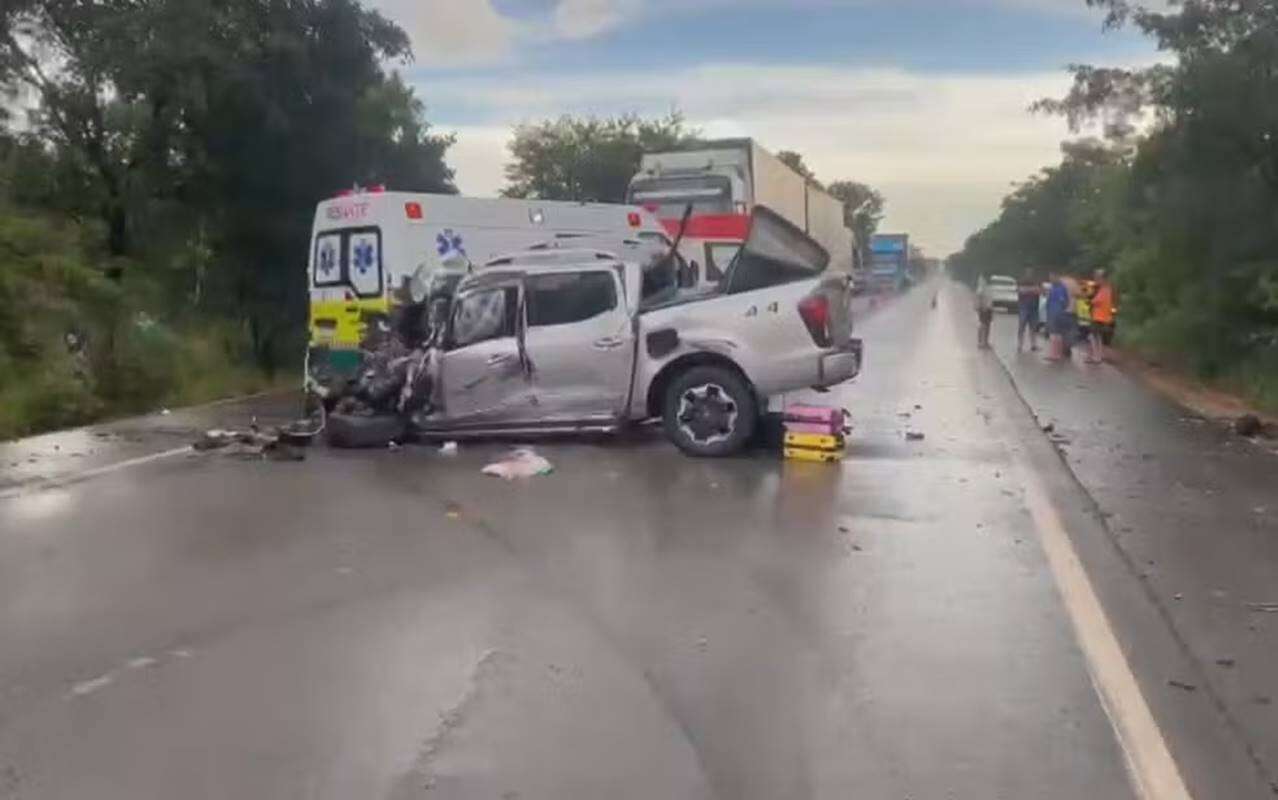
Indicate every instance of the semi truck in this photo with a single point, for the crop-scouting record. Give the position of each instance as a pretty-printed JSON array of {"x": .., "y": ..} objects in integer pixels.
[
  {"x": 724, "y": 181},
  {"x": 889, "y": 261}
]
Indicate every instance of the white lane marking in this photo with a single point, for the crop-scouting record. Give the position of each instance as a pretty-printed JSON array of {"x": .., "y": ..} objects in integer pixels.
[
  {"x": 1154, "y": 772},
  {"x": 92, "y": 685},
  {"x": 76, "y": 477}
]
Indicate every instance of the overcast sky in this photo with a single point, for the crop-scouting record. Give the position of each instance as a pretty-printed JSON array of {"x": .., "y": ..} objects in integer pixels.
[{"x": 924, "y": 99}]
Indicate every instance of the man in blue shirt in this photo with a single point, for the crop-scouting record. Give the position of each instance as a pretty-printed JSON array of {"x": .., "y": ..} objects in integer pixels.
[
  {"x": 1057, "y": 305},
  {"x": 1027, "y": 292}
]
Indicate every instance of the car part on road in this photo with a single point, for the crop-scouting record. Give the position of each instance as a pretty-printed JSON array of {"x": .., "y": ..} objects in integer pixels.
[
  {"x": 522, "y": 463},
  {"x": 710, "y": 411},
  {"x": 249, "y": 444}
]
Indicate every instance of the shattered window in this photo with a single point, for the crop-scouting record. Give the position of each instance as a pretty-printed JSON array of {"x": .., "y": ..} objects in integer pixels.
[
  {"x": 569, "y": 297},
  {"x": 488, "y": 314}
]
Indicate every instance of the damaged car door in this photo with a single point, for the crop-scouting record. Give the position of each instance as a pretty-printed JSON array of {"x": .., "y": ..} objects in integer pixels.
[
  {"x": 580, "y": 342},
  {"x": 483, "y": 375}
]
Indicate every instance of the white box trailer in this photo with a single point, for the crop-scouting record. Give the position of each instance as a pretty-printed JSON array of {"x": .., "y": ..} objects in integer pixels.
[{"x": 730, "y": 177}]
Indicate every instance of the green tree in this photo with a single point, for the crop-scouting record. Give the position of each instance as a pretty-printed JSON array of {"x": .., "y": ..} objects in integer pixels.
[
  {"x": 1198, "y": 244},
  {"x": 202, "y": 134},
  {"x": 794, "y": 161},
  {"x": 587, "y": 158},
  {"x": 862, "y": 210}
]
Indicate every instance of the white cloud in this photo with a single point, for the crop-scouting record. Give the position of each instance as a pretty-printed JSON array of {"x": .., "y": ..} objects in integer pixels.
[
  {"x": 584, "y": 19},
  {"x": 458, "y": 33},
  {"x": 943, "y": 148}
]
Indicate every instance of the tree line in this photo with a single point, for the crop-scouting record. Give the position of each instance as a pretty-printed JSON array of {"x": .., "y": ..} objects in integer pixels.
[{"x": 1177, "y": 196}]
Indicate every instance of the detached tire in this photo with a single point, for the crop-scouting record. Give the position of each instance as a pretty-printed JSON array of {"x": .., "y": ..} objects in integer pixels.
[
  {"x": 710, "y": 412},
  {"x": 349, "y": 431}
]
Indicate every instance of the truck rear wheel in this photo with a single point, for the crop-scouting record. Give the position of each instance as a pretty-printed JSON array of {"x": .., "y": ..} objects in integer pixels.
[{"x": 710, "y": 412}]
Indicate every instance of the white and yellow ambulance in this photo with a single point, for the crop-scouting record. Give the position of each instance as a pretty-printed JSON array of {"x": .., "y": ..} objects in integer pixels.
[{"x": 367, "y": 244}]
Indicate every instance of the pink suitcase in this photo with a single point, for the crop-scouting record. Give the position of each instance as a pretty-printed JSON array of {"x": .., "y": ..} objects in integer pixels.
[{"x": 803, "y": 418}]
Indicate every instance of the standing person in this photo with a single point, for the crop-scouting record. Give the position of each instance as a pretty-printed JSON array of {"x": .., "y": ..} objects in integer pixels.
[
  {"x": 984, "y": 312},
  {"x": 1104, "y": 304},
  {"x": 1069, "y": 320},
  {"x": 1056, "y": 306},
  {"x": 1027, "y": 293}
]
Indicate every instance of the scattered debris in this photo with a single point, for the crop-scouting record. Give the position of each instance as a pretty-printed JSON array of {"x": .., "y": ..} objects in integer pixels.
[
  {"x": 141, "y": 662},
  {"x": 1263, "y": 700},
  {"x": 250, "y": 444},
  {"x": 1249, "y": 425},
  {"x": 1178, "y": 596},
  {"x": 918, "y": 407},
  {"x": 914, "y": 436},
  {"x": 448, "y": 449},
  {"x": 1271, "y": 608},
  {"x": 844, "y": 529},
  {"x": 164, "y": 412},
  {"x": 1188, "y": 687},
  {"x": 857, "y": 548},
  {"x": 1227, "y": 663},
  {"x": 522, "y": 463},
  {"x": 392, "y": 445},
  {"x": 452, "y": 511}
]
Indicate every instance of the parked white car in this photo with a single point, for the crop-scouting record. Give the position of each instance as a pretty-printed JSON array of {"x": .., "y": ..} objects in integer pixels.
[{"x": 1003, "y": 292}]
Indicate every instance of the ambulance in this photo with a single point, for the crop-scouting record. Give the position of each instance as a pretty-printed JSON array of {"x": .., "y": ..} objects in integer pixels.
[{"x": 367, "y": 244}]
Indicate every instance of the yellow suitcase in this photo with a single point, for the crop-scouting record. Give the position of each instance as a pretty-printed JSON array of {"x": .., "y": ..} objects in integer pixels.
[
  {"x": 822, "y": 456},
  {"x": 814, "y": 441}
]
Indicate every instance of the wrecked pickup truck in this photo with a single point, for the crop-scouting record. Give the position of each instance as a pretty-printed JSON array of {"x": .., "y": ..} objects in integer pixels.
[{"x": 557, "y": 341}]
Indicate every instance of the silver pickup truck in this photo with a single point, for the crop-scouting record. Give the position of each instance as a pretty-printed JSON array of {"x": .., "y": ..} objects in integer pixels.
[{"x": 558, "y": 341}]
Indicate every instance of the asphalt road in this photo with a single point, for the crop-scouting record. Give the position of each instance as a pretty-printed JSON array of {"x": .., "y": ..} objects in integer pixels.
[{"x": 392, "y": 624}]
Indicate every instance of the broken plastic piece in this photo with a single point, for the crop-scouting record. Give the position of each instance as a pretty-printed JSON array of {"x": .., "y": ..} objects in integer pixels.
[
  {"x": 522, "y": 463},
  {"x": 448, "y": 449}
]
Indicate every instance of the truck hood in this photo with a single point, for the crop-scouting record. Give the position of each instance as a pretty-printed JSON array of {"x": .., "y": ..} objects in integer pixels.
[{"x": 774, "y": 252}]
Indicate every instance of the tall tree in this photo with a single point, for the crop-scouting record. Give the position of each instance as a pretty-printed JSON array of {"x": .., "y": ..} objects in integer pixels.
[
  {"x": 1203, "y": 182},
  {"x": 221, "y": 124},
  {"x": 794, "y": 161},
  {"x": 587, "y": 158},
  {"x": 862, "y": 210}
]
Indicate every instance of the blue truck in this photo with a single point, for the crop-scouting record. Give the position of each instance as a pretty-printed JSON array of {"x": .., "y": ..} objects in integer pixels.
[{"x": 889, "y": 261}]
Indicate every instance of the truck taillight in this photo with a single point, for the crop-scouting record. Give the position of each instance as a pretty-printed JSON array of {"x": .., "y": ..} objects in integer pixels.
[
  {"x": 413, "y": 210},
  {"x": 634, "y": 219},
  {"x": 815, "y": 311}
]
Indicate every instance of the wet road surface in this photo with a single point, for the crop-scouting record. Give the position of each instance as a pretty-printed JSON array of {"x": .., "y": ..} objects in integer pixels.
[
  {"x": 636, "y": 624},
  {"x": 1192, "y": 510}
]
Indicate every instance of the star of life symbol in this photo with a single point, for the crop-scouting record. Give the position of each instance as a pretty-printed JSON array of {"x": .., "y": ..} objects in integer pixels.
[
  {"x": 363, "y": 257},
  {"x": 449, "y": 241},
  {"x": 327, "y": 258}
]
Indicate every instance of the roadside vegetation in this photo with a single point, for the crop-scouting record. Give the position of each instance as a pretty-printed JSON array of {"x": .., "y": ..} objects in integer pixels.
[
  {"x": 159, "y": 165},
  {"x": 1177, "y": 196}
]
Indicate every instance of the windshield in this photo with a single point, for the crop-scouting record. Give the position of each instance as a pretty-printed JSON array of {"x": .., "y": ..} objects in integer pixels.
[{"x": 668, "y": 197}]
